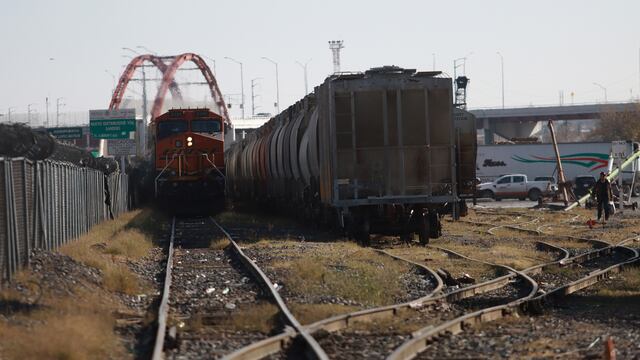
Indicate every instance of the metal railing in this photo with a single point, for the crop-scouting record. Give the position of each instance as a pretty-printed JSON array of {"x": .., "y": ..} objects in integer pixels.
[{"x": 44, "y": 204}]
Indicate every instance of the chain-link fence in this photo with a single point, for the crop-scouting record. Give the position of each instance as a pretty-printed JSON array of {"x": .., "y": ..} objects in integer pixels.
[{"x": 44, "y": 204}]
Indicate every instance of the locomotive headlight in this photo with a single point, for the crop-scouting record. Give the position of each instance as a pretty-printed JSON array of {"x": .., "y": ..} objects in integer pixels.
[
  {"x": 189, "y": 143},
  {"x": 189, "y": 139},
  {"x": 178, "y": 143}
]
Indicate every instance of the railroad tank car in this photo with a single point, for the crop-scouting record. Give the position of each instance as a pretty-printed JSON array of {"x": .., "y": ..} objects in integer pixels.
[
  {"x": 373, "y": 152},
  {"x": 189, "y": 160}
]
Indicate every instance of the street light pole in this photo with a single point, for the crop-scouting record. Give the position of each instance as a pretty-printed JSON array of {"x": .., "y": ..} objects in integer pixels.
[
  {"x": 46, "y": 99},
  {"x": 130, "y": 49},
  {"x": 241, "y": 82},
  {"x": 146, "y": 49},
  {"x": 114, "y": 80},
  {"x": 29, "y": 113},
  {"x": 277, "y": 85},
  {"x": 306, "y": 83},
  {"x": 502, "y": 73},
  {"x": 58, "y": 104},
  {"x": 214, "y": 63},
  {"x": 603, "y": 89}
]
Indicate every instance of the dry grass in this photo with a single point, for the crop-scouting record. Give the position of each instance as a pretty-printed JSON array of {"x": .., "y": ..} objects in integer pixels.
[
  {"x": 78, "y": 323},
  {"x": 219, "y": 243},
  {"x": 627, "y": 284},
  {"x": 341, "y": 269},
  {"x": 63, "y": 329},
  {"x": 131, "y": 244},
  {"x": 516, "y": 253},
  {"x": 118, "y": 278},
  {"x": 310, "y": 313},
  {"x": 435, "y": 259},
  {"x": 110, "y": 244}
]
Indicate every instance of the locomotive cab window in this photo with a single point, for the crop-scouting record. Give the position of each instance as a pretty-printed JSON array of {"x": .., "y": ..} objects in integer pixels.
[
  {"x": 171, "y": 127},
  {"x": 207, "y": 126}
]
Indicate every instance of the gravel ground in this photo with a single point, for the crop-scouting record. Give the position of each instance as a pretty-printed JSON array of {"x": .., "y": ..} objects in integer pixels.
[
  {"x": 210, "y": 294},
  {"x": 555, "y": 276},
  {"x": 136, "y": 329},
  {"x": 566, "y": 332},
  {"x": 377, "y": 339},
  {"x": 512, "y": 291}
]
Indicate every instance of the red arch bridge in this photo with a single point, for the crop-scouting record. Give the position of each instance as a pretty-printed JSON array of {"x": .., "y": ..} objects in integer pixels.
[{"x": 168, "y": 65}]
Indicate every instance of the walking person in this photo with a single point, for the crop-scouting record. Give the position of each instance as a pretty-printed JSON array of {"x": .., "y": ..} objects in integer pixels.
[{"x": 603, "y": 194}]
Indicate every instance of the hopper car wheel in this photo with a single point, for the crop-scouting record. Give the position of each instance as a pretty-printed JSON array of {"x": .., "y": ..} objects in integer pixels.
[
  {"x": 362, "y": 230},
  {"x": 636, "y": 189},
  {"x": 423, "y": 230}
]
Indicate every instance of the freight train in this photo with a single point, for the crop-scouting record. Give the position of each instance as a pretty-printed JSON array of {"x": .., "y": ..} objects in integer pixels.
[
  {"x": 383, "y": 152},
  {"x": 189, "y": 160}
]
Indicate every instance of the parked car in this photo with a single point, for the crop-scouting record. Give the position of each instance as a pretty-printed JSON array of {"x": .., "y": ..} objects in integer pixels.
[
  {"x": 583, "y": 184},
  {"x": 514, "y": 186}
]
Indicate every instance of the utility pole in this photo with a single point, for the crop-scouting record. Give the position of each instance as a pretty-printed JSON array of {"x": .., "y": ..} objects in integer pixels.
[
  {"x": 306, "y": 83},
  {"x": 241, "y": 82},
  {"x": 58, "y": 104},
  {"x": 277, "y": 104},
  {"x": 9, "y": 113},
  {"x": 29, "y": 113},
  {"x": 433, "y": 55},
  {"x": 253, "y": 96}
]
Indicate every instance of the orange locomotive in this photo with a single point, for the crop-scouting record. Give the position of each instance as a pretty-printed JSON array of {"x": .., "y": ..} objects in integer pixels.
[{"x": 189, "y": 160}]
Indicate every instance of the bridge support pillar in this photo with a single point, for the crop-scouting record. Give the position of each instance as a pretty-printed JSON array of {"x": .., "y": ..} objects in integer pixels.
[{"x": 488, "y": 131}]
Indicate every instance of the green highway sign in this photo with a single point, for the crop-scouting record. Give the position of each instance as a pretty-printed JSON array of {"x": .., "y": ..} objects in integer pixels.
[
  {"x": 112, "y": 124},
  {"x": 66, "y": 133},
  {"x": 112, "y": 129}
]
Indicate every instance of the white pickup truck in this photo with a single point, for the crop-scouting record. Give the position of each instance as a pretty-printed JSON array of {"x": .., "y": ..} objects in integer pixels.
[{"x": 514, "y": 186}]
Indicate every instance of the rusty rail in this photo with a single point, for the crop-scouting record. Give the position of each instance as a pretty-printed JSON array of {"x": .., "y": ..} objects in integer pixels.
[
  {"x": 270, "y": 346},
  {"x": 421, "y": 338}
]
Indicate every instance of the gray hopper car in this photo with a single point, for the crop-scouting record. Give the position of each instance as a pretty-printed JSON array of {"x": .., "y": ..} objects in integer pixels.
[{"x": 375, "y": 152}]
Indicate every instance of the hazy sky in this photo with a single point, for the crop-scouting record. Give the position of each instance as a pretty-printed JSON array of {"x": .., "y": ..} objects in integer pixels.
[{"x": 548, "y": 46}]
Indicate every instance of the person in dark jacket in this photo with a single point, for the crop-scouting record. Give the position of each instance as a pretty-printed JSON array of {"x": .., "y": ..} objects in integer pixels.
[{"x": 603, "y": 194}]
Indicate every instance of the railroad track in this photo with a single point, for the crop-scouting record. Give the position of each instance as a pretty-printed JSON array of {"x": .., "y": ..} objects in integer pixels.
[
  {"x": 593, "y": 266},
  {"x": 442, "y": 311},
  {"x": 350, "y": 336},
  {"x": 206, "y": 282}
]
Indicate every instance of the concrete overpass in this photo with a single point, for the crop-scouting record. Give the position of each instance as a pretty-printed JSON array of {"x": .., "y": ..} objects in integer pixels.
[{"x": 520, "y": 122}]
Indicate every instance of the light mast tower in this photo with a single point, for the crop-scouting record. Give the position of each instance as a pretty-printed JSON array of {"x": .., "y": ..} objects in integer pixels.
[{"x": 336, "y": 46}]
